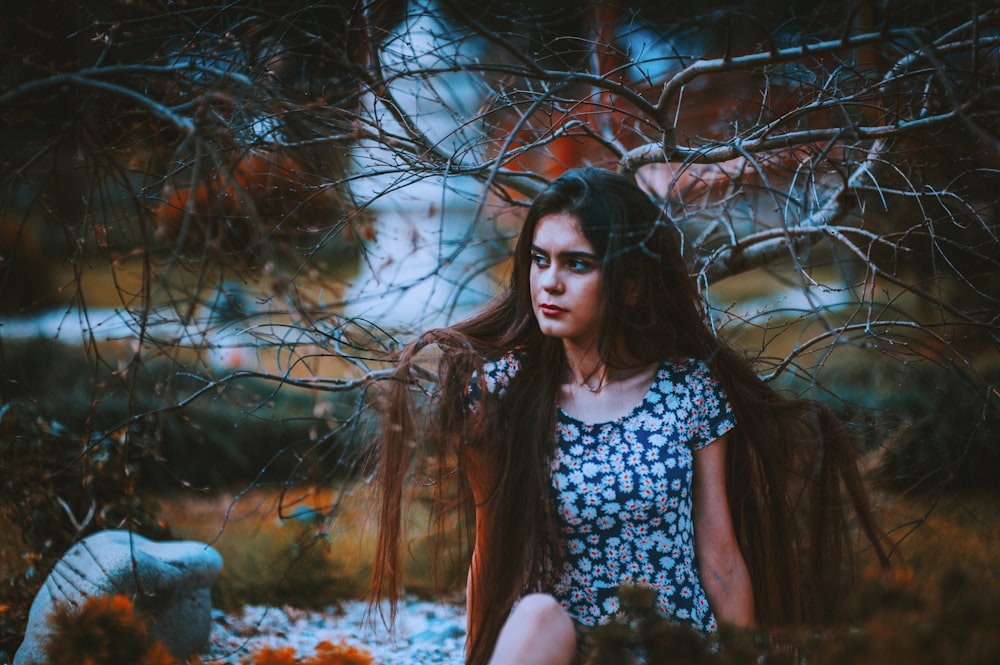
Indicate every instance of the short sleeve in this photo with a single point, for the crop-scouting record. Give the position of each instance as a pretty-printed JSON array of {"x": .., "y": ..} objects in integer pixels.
[
  {"x": 492, "y": 378},
  {"x": 711, "y": 411}
]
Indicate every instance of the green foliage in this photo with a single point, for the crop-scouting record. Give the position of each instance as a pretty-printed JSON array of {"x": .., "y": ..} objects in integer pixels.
[
  {"x": 99, "y": 465},
  {"x": 58, "y": 487},
  {"x": 929, "y": 425},
  {"x": 241, "y": 431}
]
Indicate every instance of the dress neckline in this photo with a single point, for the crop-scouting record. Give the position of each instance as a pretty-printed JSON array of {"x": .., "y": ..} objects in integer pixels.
[{"x": 628, "y": 414}]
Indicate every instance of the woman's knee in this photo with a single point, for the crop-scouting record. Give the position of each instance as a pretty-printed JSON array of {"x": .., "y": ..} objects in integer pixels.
[
  {"x": 538, "y": 630},
  {"x": 544, "y": 613}
]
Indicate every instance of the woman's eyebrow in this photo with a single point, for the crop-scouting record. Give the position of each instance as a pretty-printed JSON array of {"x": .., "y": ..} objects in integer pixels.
[{"x": 566, "y": 255}]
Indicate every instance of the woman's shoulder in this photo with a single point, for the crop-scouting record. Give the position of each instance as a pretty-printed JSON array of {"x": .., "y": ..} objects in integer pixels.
[
  {"x": 687, "y": 367},
  {"x": 508, "y": 363},
  {"x": 494, "y": 376},
  {"x": 689, "y": 385},
  {"x": 688, "y": 374}
]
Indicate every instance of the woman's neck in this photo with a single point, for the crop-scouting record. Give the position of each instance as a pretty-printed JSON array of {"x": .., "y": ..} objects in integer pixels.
[
  {"x": 587, "y": 370},
  {"x": 585, "y": 366},
  {"x": 611, "y": 393}
]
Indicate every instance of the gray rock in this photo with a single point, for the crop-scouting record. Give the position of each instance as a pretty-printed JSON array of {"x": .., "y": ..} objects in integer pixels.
[{"x": 168, "y": 581}]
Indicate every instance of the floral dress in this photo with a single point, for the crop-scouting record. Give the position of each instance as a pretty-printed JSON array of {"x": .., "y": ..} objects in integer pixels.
[{"x": 622, "y": 493}]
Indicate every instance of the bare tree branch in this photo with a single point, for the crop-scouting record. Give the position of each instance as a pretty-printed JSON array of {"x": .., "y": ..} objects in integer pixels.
[{"x": 281, "y": 186}]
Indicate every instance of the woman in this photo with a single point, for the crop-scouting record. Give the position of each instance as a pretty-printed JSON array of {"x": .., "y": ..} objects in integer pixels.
[{"x": 608, "y": 439}]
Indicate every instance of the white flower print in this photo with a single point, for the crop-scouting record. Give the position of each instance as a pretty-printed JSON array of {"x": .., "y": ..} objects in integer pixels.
[{"x": 623, "y": 492}]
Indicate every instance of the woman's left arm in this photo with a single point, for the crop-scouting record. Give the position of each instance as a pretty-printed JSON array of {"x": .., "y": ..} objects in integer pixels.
[{"x": 723, "y": 571}]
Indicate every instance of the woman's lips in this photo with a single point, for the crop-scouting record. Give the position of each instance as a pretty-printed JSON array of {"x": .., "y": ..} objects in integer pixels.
[{"x": 551, "y": 310}]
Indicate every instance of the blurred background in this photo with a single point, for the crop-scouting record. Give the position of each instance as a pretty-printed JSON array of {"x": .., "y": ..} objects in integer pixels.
[{"x": 218, "y": 219}]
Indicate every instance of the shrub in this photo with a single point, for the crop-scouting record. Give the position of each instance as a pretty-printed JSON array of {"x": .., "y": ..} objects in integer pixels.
[
  {"x": 105, "y": 630},
  {"x": 327, "y": 653},
  {"x": 57, "y": 487},
  {"x": 927, "y": 424},
  {"x": 893, "y": 620}
]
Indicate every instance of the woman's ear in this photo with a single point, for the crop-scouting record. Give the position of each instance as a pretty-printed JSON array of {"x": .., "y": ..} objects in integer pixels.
[{"x": 632, "y": 293}]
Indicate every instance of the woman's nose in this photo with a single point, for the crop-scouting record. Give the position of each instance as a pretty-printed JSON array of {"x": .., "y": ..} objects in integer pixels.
[{"x": 551, "y": 280}]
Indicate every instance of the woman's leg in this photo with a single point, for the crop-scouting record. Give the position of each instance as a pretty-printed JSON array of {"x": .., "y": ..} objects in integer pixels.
[{"x": 538, "y": 631}]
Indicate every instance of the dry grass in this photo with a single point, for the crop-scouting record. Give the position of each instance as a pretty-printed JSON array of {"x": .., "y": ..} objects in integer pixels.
[
  {"x": 276, "y": 550},
  {"x": 942, "y": 604},
  {"x": 108, "y": 630},
  {"x": 941, "y": 534},
  {"x": 268, "y": 558}
]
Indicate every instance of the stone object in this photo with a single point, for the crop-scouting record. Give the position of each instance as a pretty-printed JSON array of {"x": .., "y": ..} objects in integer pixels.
[{"x": 169, "y": 582}]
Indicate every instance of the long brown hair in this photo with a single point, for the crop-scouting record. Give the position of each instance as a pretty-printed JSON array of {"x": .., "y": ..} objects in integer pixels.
[{"x": 792, "y": 478}]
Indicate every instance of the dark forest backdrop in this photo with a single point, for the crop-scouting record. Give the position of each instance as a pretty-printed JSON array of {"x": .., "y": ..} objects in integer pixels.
[{"x": 216, "y": 219}]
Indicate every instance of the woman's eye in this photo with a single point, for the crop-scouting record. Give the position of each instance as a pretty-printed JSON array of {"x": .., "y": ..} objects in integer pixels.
[
  {"x": 539, "y": 259},
  {"x": 579, "y": 265}
]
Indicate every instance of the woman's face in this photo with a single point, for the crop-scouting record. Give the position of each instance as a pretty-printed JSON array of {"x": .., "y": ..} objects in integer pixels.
[{"x": 565, "y": 281}]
